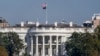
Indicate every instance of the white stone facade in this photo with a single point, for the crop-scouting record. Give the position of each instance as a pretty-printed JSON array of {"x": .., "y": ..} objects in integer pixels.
[{"x": 45, "y": 41}]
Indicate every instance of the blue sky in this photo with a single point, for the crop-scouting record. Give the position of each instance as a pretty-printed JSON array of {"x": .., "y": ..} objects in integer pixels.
[{"x": 78, "y": 11}]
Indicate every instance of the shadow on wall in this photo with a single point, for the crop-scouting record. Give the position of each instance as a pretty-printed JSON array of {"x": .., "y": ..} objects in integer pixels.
[{"x": 28, "y": 42}]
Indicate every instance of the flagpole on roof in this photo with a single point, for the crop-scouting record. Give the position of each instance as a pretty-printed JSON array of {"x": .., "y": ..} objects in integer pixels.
[
  {"x": 46, "y": 17},
  {"x": 44, "y": 6}
]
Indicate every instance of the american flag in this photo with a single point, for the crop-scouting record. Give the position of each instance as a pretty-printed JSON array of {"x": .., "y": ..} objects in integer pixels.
[{"x": 44, "y": 5}]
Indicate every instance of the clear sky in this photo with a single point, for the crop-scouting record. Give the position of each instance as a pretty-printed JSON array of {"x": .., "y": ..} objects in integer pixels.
[{"x": 78, "y": 11}]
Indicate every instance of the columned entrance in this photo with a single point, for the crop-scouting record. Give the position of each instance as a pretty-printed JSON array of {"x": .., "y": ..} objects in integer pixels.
[{"x": 45, "y": 45}]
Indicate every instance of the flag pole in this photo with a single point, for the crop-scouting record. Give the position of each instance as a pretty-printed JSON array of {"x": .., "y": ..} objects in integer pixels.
[
  {"x": 44, "y": 6},
  {"x": 46, "y": 16}
]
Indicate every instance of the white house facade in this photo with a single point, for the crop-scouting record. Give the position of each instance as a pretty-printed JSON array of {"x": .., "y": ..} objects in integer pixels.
[{"x": 45, "y": 39}]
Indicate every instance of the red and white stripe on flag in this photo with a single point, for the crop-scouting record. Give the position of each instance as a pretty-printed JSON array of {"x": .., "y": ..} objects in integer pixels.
[{"x": 44, "y": 5}]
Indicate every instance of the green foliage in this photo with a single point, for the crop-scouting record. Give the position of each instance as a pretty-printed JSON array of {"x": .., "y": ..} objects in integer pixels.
[
  {"x": 82, "y": 44},
  {"x": 25, "y": 54},
  {"x": 97, "y": 35},
  {"x": 12, "y": 42},
  {"x": 72, "y": 45}
]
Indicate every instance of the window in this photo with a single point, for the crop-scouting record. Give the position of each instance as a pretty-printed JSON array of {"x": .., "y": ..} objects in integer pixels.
[
  {"x": 47, "y": 39},
  {"x": 54, "y": 39},
  {"x": 40, "y": 39}
]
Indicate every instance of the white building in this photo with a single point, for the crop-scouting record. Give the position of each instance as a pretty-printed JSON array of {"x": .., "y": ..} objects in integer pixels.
[
  {"x": 48, "y": 39},
  {"x": 45, "y": 39}
]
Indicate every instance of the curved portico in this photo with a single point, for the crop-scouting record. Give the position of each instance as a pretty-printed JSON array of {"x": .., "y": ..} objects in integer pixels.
[{"x": 47, "y": 42}]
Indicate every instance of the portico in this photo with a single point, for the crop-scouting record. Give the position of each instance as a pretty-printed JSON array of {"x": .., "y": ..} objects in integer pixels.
[{"x": 46, "y": 45}]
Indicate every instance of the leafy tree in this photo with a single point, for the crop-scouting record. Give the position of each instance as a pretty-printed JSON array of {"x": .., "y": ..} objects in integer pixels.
[
  {"x": 1, "y": 41},
  {"x": 71, "y": 45},
  {"x": 25, "y": 54},
  {"x": 82, "y": 44},
  {"x": 3, "y": 51},
  {"x": 97, "y": 35},
  {"x": 12, "y": 42}
]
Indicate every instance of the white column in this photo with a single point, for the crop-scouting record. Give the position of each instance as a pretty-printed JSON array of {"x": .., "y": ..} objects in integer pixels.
[
  {"x": 43, "y": 47},
  {"x": 57, "y": 46},
  {"x": 31, "y": 46},
  {"x": 50, "y": 54},
  {"x": 36, "y": 45}
]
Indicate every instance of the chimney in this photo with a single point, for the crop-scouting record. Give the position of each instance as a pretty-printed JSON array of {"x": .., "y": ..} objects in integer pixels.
[
  {"x": 37, "y": 24},
  {"x": 22, "y": 24},
  {"x": 55, "y": 24},
  {"x": 71, "y": 24}
]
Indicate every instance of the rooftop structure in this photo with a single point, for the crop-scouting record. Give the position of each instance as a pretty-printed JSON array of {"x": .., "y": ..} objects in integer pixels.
[
  {"x": 56, "y": 24},
  {"x": 3, "y": 22},
  {"x": 96, "y": 20}
]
